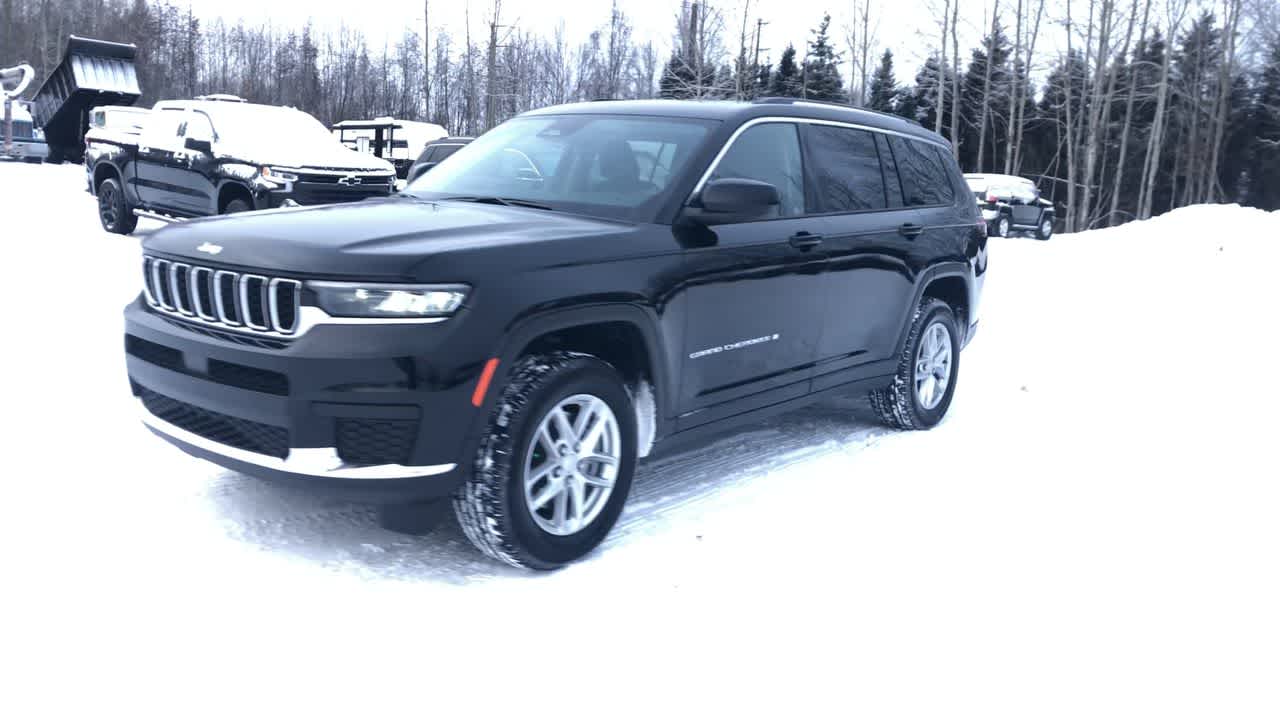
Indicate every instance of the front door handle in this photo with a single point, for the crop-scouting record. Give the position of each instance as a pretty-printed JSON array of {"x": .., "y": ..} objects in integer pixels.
[
  {"x": 805, "y": 241},
  {"x": 910, "y": 230}
]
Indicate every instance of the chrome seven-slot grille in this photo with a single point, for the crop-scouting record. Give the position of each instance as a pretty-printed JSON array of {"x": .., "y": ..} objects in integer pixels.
[{"x": 230, "y": 299}]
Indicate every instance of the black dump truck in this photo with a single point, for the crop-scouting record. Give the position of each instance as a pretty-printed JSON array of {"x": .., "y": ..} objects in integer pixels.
[{"x": 92, "y": 73}]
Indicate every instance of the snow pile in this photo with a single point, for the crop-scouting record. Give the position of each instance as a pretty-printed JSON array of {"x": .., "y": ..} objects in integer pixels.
[{"x": 1092, "y": 533}]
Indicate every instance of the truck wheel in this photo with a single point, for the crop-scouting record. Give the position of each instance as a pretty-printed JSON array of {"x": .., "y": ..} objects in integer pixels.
[
  {"x": 113, "y": 211},
  {"x": 237, "y": 205},
  {"x": 1002, "y": 226},
  {"x": 555, "y": 467},
  {"x": 927, "y": 371},
  {"x": 1045, "y": 231}
]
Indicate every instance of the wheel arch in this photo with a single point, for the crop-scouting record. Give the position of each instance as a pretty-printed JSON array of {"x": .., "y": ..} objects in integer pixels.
[
  {"x": 230, "y": 190},
  {"x": 948, "y": 282},
  {"x": 102, "y": 171},
  {"x": 623, "y": 335}
]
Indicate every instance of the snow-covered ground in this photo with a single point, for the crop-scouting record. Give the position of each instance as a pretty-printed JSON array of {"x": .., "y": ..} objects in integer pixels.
[{"x": 1092, "y": 533}]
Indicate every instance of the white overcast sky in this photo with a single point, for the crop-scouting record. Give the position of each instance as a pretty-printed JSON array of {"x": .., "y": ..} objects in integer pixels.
[{"x": 900, "y": 23}]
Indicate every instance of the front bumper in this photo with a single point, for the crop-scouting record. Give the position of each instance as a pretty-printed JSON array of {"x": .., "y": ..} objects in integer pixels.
[{"x": 357, "y": 411}]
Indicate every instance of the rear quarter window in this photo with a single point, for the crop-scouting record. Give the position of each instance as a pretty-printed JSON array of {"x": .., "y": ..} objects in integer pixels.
[{"x": 926, "y": 180}]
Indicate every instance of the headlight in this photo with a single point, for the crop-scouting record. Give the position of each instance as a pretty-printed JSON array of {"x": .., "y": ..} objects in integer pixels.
[
  {"x": 271, "y": 173},
  {"x": 388, "y": 301}
]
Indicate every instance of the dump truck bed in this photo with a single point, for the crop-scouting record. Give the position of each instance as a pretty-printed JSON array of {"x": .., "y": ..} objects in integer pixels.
[{"x": 92, "y": 73}]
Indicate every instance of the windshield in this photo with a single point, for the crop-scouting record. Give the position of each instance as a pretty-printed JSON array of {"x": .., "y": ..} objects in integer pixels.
[
  {"x": 262, "y": 130},
  {"x": 612, "y": 166}
]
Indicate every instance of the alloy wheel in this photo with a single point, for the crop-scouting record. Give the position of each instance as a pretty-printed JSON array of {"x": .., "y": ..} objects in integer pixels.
[
  {"x": 933, "y": 366},
  {"x": 572, "y": 464},
  {"x": 107, "y": 205}
]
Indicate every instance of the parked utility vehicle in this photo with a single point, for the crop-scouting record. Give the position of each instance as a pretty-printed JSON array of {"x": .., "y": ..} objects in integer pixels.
[
  {"x": 218, "y": 155},
  {"x": 396, "y": 141},
  {"x": 520, "y": 325},
  {"x": 1012, "y": 204}
]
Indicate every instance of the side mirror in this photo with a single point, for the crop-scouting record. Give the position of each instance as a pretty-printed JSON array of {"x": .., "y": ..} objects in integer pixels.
[
  {"x": 203, "y": 146},
  {"x": 734, "y": 200}
]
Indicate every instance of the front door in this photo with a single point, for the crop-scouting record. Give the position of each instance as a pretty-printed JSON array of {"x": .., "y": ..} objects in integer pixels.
[{"x": 754, "y": 299}]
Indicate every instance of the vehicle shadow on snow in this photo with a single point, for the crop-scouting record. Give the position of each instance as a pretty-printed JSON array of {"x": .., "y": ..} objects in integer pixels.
[{"x": 346, "y": 536}]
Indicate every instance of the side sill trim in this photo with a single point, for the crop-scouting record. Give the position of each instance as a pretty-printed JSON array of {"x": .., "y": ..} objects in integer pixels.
[{"x": 313, "y": 462}]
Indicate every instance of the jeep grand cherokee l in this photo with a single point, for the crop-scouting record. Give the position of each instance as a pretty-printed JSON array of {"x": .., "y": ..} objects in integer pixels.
[{"x": 511, "y": 333}]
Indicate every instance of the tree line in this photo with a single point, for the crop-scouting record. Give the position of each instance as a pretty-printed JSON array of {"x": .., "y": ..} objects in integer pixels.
[{"x": 1150, "y": 106}]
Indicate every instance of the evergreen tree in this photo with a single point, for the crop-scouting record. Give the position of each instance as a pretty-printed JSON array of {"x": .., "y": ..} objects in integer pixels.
[
  {"x": 786, "y": 81},
  {"x": 975, "y": 92},
  {"x": 884, "y": 88},
  {"x": 1264, "y": 166},
  {"x": 822, "y": 79}
]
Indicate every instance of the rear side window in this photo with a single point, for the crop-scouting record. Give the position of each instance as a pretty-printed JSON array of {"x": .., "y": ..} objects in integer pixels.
[
  {"x": 925, "y": 180},
  {"x": 768, "y": 153},
  {"x": 847, "y": 169},
  {"x": 444, "y": 151},
  {"x": 892, "y": 181}
]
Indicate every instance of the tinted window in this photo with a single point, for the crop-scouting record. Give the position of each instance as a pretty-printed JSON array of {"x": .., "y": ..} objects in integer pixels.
[
  {"x": 592, "y": 164},
  {"x": 444, "y": 151},
  {"x": 924, "y": 177},
  {"x": 768, "y": 153},
  {"x": 846, "y": 168},
  {"x": 893, "y": 182}
]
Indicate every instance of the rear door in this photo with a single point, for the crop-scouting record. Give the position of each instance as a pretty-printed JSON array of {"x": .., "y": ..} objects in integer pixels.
[
  {"x": 868, "y": 282},
  {"x": 157, "y": 146},
  {"x": 754, "y": 295}
]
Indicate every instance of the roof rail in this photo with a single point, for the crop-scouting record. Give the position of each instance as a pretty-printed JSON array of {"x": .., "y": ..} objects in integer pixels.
[
  {"x": 220, "y": 97},
  {"x": 829, "y": 103}
]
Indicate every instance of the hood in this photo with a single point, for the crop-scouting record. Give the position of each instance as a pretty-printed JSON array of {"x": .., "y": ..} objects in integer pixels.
[
  {"x": 311, "y": 155},
  {"x": 398, "y": 238}
]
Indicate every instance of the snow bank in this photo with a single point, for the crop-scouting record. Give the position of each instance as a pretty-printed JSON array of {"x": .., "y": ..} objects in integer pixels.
[{"x": 1091, "y": 534}]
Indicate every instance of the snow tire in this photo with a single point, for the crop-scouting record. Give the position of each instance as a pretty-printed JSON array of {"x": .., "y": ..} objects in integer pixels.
[
  {"x": 897, "y": 405},
  {"x": 114, "y": 211},
  {"x": 490, "y": 505}
]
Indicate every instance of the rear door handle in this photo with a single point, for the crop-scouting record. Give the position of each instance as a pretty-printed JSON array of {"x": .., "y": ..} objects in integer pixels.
[
  {"x": 910, "y": 230},
  {"x": 805, "y": 241}
]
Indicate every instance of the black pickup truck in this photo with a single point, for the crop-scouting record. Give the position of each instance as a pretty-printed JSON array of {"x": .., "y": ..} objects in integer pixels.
[
  {"x": 220, "y": 155},
  {"x": 510, "y": 333}
]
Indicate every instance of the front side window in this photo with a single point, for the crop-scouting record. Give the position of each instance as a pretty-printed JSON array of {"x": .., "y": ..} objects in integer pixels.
[
  {"x": 589, "y": 164},
  {"x": 768, "y": 153},
  {"x": 925, "y": 180},
  {"x": 847, "y": 169},
  {"x": 199, "y": 127},
  {"x": 161, "y": 130}
]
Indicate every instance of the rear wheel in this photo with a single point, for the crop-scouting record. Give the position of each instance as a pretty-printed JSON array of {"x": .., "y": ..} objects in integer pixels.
[
  {"x": 555, "y": 467},
  {"x": 114, "y": 211},
  {"x": 1002, "y": 226},
  {"x": 237, "y": 205},
  {"x": 927, "y": 371}
]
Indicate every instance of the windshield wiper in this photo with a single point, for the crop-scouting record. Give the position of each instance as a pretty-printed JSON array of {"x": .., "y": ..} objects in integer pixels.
[{"x": 495, "y": 200}]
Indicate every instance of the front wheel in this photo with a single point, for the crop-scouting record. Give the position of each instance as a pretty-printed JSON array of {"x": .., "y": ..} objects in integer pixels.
[
  {"x": 1002, "y": 226},
  {"x": 927, "y": 371},
  {"x": 114, "y": 211},
  {"x": 1045, "y": 231},
  {"x": 555, "y": 467},
  {"x": 237, "y": 205}
]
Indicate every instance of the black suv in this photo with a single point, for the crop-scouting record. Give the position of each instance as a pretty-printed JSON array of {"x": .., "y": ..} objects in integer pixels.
[
  {"x": 434, "y": 153},
  {"x": 522, "y": 323}
]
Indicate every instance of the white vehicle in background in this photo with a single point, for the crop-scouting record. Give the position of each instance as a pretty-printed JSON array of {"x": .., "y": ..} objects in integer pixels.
[{"x": 399, "y": 142}]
